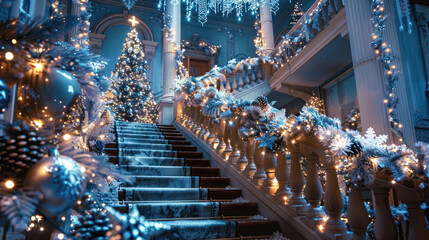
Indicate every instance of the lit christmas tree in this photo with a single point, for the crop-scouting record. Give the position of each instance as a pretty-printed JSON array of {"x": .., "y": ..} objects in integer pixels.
[
  {"x": 297, "y": 13},
  {"x": 130, "y": 95}
]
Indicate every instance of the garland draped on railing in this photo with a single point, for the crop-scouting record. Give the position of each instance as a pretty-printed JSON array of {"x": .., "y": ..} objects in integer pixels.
[{"x": 357, "y": 157}]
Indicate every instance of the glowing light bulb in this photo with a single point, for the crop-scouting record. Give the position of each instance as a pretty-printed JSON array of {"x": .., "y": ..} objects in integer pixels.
[
  {"x": 66, "y": 137},
  {"x": 9, "y": 184},
  {"x": 8, "y": 56}
]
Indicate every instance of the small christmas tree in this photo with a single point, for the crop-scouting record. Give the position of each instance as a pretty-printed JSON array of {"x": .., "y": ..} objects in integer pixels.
[
  {"x": 297, "y": 12},
  {"x": 130, "y": 95}
]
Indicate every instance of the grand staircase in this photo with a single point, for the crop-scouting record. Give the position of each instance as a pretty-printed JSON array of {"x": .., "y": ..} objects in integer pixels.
[{"x": 175, "y": 185}]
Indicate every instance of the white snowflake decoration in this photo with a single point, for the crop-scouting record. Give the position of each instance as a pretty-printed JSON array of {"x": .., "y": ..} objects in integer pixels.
[{"x": 371, "y": 140}]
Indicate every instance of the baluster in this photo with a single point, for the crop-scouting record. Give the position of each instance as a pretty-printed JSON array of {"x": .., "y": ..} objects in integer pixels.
[
  {"x": 418, "y": 228},
  {"x": 191, "y": 115},
  {"x": 246, "y": 78},
  {"x": 240, "y": 79},
  {"x": 221, "y": 78},
  {"x": 212, "y": 131},
  {"x": 227, "y": 139},
  {"x": 234, "y": 143},
  {"x": 357, "y": 214},
  {"x": 282, "y": 175},
  {"x": 228, "y": 83},
  {"x": 216, "y": 129},
  {"x": 234, "y": 82},
  {"x": 207, "y": 127},
  {"x": 296, "y": 178},
  {"x": 259, "y": 162},
  {"x": 270, "y": 184},
  {"x": 259, "y": 72},
  {"x": 333, "y": 200},
  {"x": 242, "y": 161},
  {"x": 203, "y": 125},
  {"x": 221, "y": 146},
  {"x": 384, "y": 225},
  {"x": 188, "y": 117},
  {"x": 250, "y": 153},
  {"x": 313, "y": 188},
  {"x": 252, "y": 76},
  {"x": 197, "y": 118}
]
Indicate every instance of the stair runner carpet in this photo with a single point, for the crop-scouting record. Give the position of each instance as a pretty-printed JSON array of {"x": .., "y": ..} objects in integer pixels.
[{"x": 173, "y": 184}]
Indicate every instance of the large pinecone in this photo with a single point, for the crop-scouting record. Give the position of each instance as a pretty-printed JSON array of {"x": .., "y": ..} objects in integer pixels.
[
  {"x": 93, "y": 225},
  {"x": 262, "y": 101},
  {"x": 20, "y": 149}
]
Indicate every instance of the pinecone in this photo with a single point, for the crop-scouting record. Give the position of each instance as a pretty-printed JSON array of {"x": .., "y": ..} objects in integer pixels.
[
  {"x": 99, "y": 146},
  {"x": 263, "y": 102},
  {"x": 93, "y": 225},
  {"x": 20, "y": 149}
]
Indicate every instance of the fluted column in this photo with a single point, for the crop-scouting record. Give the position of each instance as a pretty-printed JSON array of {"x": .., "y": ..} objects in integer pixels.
[
  {"x": 259, "y": 162},
  {"x": 168, "y": 63},
  {"x": 313, "y": 188},
  {"x": 357, "y": 214},
  {"x": 282, "y": 175},
  {"x": 37, "y": 10},
  {"x": 384, "y": 225},
  {"x": 250, "y": 153},
  {"x": 267, "y": 27},
  {"x": 368, "y": 71}
]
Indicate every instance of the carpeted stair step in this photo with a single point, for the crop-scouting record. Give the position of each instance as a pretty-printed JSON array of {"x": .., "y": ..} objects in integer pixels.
[
  {"x": 142, "y": 140},
  {"x": 156, "y": 194},
  {"x": 157, "y": 170},
  {"x": 199, "y": 229},
  {"x": 152, "y": 161},
  {"x": 163, "y": 210},
  {"x": 164, "y": 181},
  {"x": 171, "y": 194},
  {"x": 196, "y": 162}
]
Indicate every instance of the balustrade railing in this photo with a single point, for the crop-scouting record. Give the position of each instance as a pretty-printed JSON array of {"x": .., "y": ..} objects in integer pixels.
[
  {"x": 300, "y": 189},
  {"x": 237, "y": 77}
]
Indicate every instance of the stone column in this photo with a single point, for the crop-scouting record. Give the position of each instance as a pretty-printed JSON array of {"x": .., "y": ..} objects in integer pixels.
[
  {"x": 168, "y": 64},
  {"x": 15, "y": 8},
  {"x": 367, "y": 69},
  {"x": 37, "y": 10},
  {"x": 267, "y": 27}
]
